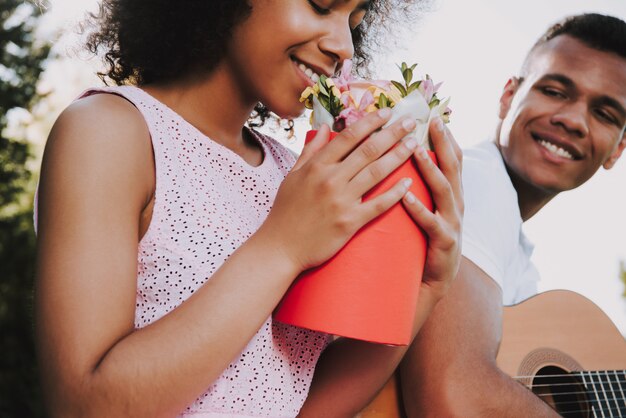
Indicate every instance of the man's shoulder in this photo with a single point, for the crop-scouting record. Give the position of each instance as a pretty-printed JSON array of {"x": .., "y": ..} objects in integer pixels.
[
  {"x": 492, "y": 221},
  {"x": 486, "y": 183}
]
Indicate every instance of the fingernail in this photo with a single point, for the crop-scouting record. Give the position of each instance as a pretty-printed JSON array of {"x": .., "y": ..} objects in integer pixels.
[
  {"x": 440, "y": 125},
  {"x": 408, "y": 124},
  {"x": 421, "y": 152},
  {"x": 409, "y": 197},
  {"x": 411, "y": 143},
  {"x": 407, "y": 182},
  {"x": 385, "y": 112}
]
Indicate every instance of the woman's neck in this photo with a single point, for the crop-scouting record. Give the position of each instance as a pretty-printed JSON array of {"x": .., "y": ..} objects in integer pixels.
[{"x": 214, "y": 106}]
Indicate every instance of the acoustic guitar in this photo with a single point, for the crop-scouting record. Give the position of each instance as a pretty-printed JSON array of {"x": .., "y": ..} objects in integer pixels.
[{"x": 561, "y": 346}]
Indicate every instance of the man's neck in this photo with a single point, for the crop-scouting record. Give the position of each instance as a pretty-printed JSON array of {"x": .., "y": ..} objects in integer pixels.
[{"x": 530, "y": 198}]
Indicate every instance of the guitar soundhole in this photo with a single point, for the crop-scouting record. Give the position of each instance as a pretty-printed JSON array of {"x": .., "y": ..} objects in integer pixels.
[{"x": 563, "y": 391}]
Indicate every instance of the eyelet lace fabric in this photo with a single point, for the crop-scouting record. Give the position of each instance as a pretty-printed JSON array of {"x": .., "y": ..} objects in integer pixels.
[{"x": 208, "y": 201}]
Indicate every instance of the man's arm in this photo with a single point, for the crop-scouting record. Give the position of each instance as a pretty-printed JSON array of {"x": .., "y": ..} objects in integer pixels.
[{"x": 450, "y": 370}]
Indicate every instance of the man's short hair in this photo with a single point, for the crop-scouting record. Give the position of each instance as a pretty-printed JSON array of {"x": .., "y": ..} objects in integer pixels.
[{"x": 601, "y": 32}]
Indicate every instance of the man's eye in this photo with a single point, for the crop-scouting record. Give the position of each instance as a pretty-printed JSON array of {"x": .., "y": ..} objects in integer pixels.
[
  {"x": 550, "y": 91},
  {"x": 319, "y": 9},
  {"x": 606, "y": 116}
]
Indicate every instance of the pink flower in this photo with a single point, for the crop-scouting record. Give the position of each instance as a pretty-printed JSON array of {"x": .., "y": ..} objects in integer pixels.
[
  {"x": 345, "y": 76},
  {"x": 353, "y": 111},
  {"x": 350, "y": 115}
]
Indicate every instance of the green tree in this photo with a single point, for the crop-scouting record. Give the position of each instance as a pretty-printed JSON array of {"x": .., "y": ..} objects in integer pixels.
[{"x": 21, "y": 62}]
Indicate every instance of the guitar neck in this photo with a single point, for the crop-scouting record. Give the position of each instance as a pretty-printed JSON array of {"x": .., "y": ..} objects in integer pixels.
[{"x": 605, "y": 391}]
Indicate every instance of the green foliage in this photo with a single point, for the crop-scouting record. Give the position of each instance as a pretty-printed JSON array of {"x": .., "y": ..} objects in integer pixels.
[
  {"x": 407, "y": 75},
  {"x": 622, "y": 276},
  {"x": 21, "y": 66},
  {"x": 327, "y": 97}
]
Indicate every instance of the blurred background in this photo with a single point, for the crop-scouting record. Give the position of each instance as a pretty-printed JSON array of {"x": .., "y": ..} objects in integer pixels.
[{"x": 472, "y": 46}]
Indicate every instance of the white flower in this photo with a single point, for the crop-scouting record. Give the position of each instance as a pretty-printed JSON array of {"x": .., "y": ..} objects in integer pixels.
[
  {"x": 415, "y": 106},
  {"x": 320, "y": 115}
]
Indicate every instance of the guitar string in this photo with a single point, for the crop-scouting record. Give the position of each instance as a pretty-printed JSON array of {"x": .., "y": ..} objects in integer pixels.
[
  {"x": 572, "y": 374},
  {"x": 582, "y": 392},
  {"x": 570, "y": 402},
  {"x": 599, "y": 407},
  {"x": 596, "y": 410},
  {"x": 556, "y": 385},
  {"x": 573, "y": 393}
]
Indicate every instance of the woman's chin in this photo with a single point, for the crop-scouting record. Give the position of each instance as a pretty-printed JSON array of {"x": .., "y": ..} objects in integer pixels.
[{"x": 287, "y": 111}]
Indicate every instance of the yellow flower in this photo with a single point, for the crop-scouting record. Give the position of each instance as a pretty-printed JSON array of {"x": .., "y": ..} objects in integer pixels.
[{"x": 307, "y": 96}]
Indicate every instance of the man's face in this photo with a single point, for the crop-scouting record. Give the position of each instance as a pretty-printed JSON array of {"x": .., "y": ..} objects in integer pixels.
[{"x": 566, "y": 118}]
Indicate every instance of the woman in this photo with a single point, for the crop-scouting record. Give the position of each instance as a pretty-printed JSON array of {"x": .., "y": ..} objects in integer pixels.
[{"x": 169, "y": 231}]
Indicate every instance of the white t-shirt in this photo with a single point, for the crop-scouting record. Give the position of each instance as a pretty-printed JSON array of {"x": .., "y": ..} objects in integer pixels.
[{"x": 492, "y": 227}]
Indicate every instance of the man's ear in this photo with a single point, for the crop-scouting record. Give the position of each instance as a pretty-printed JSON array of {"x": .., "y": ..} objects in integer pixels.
[
  {"x": 508, "y": 93},
  {"x": 608, "y": 164}
]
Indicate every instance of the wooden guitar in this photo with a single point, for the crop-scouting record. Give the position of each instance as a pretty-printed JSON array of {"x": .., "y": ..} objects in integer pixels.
[{"x": 562, "y": 347}]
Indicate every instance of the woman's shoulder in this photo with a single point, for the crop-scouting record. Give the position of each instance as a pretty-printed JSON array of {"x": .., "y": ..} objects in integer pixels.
[
  {"x": 108, "y": 108},
  {"x": 107, "y": 120},
  {"x": 98, "y": 135}
]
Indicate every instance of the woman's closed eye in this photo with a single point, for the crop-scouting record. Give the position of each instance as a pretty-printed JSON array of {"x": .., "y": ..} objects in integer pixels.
[{"x": 319, "y": 8}]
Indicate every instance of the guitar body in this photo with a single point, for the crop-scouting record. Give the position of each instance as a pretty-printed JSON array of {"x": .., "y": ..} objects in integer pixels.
[
  {"x": 559, "y": 321},
  {"x": 561, "y": 346},
  {"x": 568, "y": 352}
]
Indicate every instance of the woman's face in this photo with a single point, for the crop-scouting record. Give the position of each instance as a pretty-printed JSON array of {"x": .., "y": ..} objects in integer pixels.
[{"x": 284, "y": 45}]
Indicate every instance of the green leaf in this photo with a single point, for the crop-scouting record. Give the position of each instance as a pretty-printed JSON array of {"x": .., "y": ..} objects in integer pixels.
[
  {"x": 414, "y": 86},
  {"x": 324, "y": 90},
  {"x": 408, "y": 76},
  {"x": 324, "y": 102},
  {"x": 383, "y": 101},
  {"x": 400, "y": 87}
]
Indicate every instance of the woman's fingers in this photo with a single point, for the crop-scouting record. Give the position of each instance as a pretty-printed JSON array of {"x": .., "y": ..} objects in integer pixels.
[
  {"x": 367, "y": 156},
  {"x": 383, "y": 202},
  {"x": 377, "y": 171},
  {"x": 449, "y": 156},
  {"x": 440, "y": 186},
  {"x": 352, "y": 136},
  {"x": 426, "y": 219},
  {"x": 310, "y": 149}
]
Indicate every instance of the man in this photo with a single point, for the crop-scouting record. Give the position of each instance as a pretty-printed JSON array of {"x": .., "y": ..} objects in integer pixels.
[{"x": 560, "y": 121}]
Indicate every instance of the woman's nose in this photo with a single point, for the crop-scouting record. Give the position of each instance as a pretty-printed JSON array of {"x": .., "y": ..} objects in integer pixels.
[{"x": 338, "y": 40}]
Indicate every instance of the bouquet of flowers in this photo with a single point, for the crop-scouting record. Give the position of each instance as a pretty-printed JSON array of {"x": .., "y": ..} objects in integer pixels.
[
  {"x": 340, "y": 101},
  {"x": 369, "y": 289}
]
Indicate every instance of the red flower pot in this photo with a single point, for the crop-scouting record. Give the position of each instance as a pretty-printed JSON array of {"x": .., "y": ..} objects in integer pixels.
[{"x": 368, "y": 290}]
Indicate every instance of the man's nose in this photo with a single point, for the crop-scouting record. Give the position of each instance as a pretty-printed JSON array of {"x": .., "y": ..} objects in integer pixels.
[{"x": 573, "y": 117}]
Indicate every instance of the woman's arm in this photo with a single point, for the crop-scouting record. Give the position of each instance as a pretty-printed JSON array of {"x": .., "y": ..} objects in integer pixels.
[{"x": 97, "y": 177}]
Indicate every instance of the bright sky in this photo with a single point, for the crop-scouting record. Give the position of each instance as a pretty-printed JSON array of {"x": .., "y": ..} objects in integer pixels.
[{"x": 473, "y": 47}]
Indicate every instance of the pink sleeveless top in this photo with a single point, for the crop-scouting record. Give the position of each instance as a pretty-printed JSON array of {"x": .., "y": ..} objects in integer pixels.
[{"x": 208, "y": 201}]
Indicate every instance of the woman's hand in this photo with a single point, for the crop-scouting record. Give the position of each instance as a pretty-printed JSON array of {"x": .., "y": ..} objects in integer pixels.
[
  {"x": 444, "y": 226},
  {"x": 318, "y": 207}
]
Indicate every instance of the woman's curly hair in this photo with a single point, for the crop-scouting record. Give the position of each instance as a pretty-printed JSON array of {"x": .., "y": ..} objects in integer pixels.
[{"x": 154, "y": 41}]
